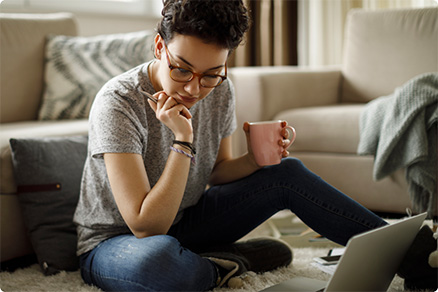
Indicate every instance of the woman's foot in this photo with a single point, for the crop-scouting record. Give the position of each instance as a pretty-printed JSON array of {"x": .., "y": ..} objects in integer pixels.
[{"x": 257, "y": 255}]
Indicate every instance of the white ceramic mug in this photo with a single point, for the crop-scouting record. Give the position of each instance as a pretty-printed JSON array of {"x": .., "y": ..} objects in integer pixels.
[{"x": 265, "y": 137}]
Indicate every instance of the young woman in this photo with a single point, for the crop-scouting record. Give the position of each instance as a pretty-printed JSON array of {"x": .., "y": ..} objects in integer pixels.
[{"x": 146, "y": 218}]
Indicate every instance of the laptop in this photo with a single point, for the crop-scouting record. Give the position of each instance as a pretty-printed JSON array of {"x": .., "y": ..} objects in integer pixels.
[{"x": 369, "y": 262}]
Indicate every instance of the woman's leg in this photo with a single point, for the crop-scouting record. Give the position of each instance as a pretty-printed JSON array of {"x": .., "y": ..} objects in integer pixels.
[
  {"x": 157, "y": 263},
  {"x": 228, "y": 212}
]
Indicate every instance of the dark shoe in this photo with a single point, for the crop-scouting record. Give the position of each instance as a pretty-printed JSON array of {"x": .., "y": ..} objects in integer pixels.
[
  {"x": 415, "y": 268},
  {"x": 257, "y": 255}
]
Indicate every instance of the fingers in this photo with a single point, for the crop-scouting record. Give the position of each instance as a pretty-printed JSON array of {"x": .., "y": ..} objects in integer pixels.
[
  {"x": 285, "y": 133},
  {"x": 184, "y": 112},
  {"x": 246, "y": 127},
  {"x": 168, "y": 108},
  {"x": 284, "y": 130},
  {"x": 166, "y": 103},
  {"x": 153, "y": 105},
  {"x": 284, "y": 142}
]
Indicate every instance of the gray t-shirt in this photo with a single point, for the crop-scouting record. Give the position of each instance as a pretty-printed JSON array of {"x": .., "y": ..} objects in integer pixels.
[{"x": 121, "y": 121}]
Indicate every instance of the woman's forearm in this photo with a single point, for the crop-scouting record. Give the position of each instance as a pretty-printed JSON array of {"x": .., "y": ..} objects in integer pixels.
[
  {"x": 230, "y": 170},
  {"x": 162, "y": 203},
  {"x": 148, "y": 211}
]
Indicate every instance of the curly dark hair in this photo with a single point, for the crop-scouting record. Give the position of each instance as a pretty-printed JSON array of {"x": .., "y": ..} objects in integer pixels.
[{"x": 221, "y": 22}]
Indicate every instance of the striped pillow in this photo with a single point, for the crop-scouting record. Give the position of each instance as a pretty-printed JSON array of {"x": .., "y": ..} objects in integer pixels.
[{"x": 77, "y": 67}]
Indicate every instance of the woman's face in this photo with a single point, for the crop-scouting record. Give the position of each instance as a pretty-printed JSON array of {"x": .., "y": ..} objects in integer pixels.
[{"x": 190, "y": 53}]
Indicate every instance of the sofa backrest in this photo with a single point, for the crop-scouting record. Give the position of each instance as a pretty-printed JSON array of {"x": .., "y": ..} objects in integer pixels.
[
  {"x": 22, "y": 41},
  {"x": 385, "y": 48}
]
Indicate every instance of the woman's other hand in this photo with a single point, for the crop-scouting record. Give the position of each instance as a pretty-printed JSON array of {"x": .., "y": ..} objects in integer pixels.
[{"x": 282, "y": 142}]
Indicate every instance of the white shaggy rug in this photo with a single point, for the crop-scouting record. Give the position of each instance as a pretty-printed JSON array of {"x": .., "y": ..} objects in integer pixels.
[{"x": 32, "y": 280}]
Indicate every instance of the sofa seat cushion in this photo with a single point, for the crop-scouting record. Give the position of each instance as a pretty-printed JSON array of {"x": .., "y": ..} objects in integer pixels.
[
  {"x": 329, "y": 129},
  {"x": 31, "y": 129}
]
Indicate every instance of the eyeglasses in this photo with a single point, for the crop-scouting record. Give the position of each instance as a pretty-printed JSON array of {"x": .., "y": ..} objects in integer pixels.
[{"x": 180, "y": 74}]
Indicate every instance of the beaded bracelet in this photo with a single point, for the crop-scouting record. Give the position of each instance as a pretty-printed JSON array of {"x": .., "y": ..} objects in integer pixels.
[{"x": 192, "y": 158}]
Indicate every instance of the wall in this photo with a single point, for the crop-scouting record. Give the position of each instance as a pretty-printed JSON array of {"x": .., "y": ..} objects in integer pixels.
[
  {"x": 104, "y": 24},
  {"x": 94, "y": 24}
]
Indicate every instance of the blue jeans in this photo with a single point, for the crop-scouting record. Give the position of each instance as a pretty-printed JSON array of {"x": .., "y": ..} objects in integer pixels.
[{"x": 224, "y": 214}]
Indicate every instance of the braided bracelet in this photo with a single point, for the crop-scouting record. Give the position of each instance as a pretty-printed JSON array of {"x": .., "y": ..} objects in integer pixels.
[
  {"x": 192, "y": 158},
  {"x": 187, "y": 145}
]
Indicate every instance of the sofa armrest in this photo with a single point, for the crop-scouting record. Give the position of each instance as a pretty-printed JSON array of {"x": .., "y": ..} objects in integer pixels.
[{"x": 263, "y": 92}]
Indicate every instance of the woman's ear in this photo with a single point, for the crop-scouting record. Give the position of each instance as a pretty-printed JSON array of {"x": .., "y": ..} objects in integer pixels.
[{"x": 158, "y": 47}]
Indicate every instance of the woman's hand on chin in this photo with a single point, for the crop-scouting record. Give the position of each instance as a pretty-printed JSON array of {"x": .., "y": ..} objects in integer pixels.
[{"x": 174, "y": 115}]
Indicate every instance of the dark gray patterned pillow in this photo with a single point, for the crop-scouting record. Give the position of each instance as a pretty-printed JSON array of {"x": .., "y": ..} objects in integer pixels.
[
  {"x": 48, "y": 174},
  {"x": 77, "y": 67}
]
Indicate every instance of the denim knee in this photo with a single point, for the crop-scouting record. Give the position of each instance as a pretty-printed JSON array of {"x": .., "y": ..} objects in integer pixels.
[
  {"x": 289, "y": 169},
  {"x": 126, "y": 263},
  {"x": 291, "y": 163}
]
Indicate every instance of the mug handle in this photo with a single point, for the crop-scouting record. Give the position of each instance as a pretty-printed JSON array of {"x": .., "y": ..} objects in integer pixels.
[{"x": 294, "y": 135}]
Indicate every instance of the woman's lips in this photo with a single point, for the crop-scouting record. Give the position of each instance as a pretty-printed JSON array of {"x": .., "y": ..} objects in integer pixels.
[{"x": 186, "y": 99}]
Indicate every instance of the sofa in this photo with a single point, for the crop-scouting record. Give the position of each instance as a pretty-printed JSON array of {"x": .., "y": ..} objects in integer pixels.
[{"x": 383, "y": 49}]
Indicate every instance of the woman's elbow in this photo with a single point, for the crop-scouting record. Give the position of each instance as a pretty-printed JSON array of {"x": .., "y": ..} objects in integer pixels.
[
  {"x": 143, "y": 234},
  {"x": 143, "y": 231}
]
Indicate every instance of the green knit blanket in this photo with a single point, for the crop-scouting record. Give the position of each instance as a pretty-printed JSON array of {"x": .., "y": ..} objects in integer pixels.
[{"x": 400, "y": 130}]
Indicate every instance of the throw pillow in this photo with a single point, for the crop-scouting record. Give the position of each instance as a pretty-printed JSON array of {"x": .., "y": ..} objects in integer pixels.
[
  {"x": 77, "y": 67},
  {"x": 48, "y": 174}
]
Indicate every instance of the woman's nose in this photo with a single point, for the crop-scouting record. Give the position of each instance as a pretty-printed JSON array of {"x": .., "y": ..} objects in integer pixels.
[{"x": 193, "y": 87}]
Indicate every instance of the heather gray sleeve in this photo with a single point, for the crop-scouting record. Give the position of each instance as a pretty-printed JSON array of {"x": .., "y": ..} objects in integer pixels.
[
  {"x": 230, "y": 122},
  {"x": 115, "y": 123}
]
